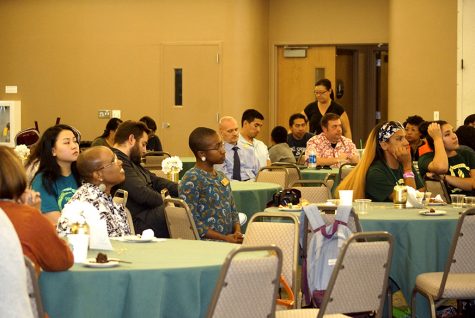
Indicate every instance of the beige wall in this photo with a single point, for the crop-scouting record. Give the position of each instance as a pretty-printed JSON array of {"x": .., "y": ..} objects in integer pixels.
[
  {"x": 70, "y": 59},
  {"x": 423, "y": 59},
  {"x": 328, "y": 22}
]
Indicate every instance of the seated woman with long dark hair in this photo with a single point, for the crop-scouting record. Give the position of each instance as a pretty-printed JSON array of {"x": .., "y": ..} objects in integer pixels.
[
  {"x": 107, "y": 137},
  {"x": 385, "y": 161},
  {"x": 208, "y": 192},
  {"x": 57, "y": 178},
  {"x": 100, "y": 170},
  {"x": 37, "y": 235},
  {"x": 454, "y": 165}
]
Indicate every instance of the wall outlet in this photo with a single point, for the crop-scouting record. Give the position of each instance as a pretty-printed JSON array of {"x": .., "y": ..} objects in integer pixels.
[
  {"x": 104, "y": 114},
  {"x": 436, "y": 115}
]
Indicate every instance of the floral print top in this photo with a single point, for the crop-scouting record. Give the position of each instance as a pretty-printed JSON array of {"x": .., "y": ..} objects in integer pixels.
[
  {"x": 113, "y": 213},
  {"x": 210, "y": 200}
]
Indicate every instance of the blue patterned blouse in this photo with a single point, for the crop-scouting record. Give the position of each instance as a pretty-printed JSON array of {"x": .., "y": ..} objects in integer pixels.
[{"x": 210, "y": 200}]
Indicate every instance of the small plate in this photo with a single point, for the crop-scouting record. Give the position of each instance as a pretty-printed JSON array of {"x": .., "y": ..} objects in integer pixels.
[
  {"x": 428, "y": 213},
  {"x": 292, "y": 209},
  {"x": 136, "y": 239},
  {"x": 436, "y": 203},
  {"x": 91, "y": 262}
]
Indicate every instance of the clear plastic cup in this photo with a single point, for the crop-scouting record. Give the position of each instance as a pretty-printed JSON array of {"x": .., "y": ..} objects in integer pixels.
[
  {"x": 362, "y": 206},
  {"x": 457, "y": 200}
]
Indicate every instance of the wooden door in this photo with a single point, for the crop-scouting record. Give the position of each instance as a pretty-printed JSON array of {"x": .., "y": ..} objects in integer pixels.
[
  {"x": 196, "y": 69},
  {"x": 296, "y": 78}
]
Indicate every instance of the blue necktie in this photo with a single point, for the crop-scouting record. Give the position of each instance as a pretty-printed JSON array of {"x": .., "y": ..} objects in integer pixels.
[{"x": 236, "y": 165}]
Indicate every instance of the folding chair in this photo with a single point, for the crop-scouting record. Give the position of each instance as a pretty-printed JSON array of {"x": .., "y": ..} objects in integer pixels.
[
  {"x": 359, "y": 280},
  {"x": 437, "y": 187},
  {"x": 329, "y": 217},
  {"x": 120, "y": 197},
  {"x": 27, "y": 137},
  {"x": 457, "y": 281},
  {"x": 180, "y": 222},
  {"x": 153, "y": 159},
  {"x": 345, "y": 170},
  {"x": 313, "y": 191},
  {"x": 283, "y": 235},
  {"x": 292, "y": 169},
  {"x": 248, "y": 283},
  {"x": 33, "y": 289},
  {"x": 274, "y": 174}
]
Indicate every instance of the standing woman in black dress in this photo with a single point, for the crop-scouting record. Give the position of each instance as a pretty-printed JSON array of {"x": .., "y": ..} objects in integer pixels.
[{"x": 325, "y": 104}]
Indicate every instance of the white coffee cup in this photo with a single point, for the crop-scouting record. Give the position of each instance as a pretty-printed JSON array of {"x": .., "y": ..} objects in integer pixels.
[
  {"x": 346, "y": 197},
  {"x": 79, "y": 244}
]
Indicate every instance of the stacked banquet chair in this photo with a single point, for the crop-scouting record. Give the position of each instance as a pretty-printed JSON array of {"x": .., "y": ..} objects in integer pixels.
[
  {"x": 282, "y": 230},
  {"x": 359, "y": 280}
]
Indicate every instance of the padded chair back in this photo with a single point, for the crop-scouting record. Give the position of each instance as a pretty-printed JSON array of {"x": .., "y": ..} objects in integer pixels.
[
  {"x": 180, "y": 222},
  {"x": 461, "y": 257},
  {"x": 345, "y": 170},
  {"x": 153, "y": 159},
  {"x": 360, "y": 276},
  {"x": 120, "y": 197},
  {"x": 313, "y": 190},
  {"x": 33, "y": 289},
  {"x": 27, "y": 137},
  {"x": 301, "y": 159},
  {"x": 274, "y": 174},
  {"x": 248, "y": 283},
  {"x": 272, "y": 231},
  {"x": 437, "y": 187},
  {"x": 292, "y": 169}
]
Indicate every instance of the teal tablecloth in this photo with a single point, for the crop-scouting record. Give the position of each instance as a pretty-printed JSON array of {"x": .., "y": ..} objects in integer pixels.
[
  {"x": 173, "y": 278},
  {"x": 317, "y": 174},
  {"x": 252, "y": 197}
]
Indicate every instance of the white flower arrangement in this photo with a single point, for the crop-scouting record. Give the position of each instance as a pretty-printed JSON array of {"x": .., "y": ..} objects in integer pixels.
[
  {"x": 22, "y": 151},
  {"x": 75, "y": 212},
  {"x": 172, "y": 164}
]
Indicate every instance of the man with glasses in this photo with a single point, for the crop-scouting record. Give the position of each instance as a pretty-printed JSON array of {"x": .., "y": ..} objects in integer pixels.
[
  {"x": 145, "y": 201},
  {"x": 240, "y": 163}
]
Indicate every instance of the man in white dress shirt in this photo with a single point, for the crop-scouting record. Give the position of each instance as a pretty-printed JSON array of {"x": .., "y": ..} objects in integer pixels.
[
  {"x": 240, "y": 164},
  {"x": 252, "y": 122}
]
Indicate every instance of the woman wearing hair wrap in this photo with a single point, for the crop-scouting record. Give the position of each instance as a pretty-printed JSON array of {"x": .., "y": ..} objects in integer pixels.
[{"x": 386, "y": 160}]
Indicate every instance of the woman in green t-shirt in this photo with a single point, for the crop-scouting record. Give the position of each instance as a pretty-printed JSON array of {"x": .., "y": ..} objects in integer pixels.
[{"x": 385, "y": 161}]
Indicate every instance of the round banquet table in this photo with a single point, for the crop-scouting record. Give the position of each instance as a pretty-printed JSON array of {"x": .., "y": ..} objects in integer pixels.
[
  {"x": 170, "y": 278},
  {"x": 252, "y": 197},
  {"x": 317, "y": 174}
]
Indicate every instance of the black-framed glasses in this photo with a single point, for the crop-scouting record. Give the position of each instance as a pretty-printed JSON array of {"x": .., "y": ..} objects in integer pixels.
[
  {"x": 114, "y": 161},
  {"x": 218, "y": 146},
  {"x": 320, "y": 92}
]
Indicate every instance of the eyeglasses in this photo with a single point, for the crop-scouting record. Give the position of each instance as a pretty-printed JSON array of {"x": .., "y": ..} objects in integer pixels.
[
  {"x": 218, "y": 146},
  {"x": 114, "y": 161},
  {"x": 319, "y": 92}
]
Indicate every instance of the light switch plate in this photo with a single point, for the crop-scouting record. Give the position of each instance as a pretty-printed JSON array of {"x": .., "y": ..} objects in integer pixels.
[
  {"x": 116, "y": 113},
  {"x": 11, "y": 89}
]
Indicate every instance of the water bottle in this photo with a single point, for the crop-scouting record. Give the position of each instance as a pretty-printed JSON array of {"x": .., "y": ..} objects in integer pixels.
[{"x": 312, "y": 158}]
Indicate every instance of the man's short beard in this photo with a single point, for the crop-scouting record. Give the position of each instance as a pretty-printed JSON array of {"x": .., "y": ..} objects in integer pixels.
[{"x": 135, "y": 155}]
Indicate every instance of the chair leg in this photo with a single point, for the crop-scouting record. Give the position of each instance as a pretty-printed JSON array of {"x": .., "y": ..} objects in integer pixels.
[
  {"x": 389, "y": 301},
  {"x": 429, "y": 298},
  {"x": 413, "y": 303}
]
